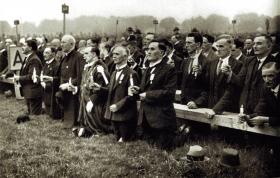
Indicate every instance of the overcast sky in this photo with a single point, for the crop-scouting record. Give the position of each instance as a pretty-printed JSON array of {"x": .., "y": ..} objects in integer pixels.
[{"x": 37, "y": 10}]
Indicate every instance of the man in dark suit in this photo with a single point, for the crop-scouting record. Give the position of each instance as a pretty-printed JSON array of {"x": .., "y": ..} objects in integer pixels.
[
  {"x": 121, "y": 106},
  {"x": 29, "y": 80},
  {"x": 3, "y": 57},
  {"x": 193, "y": 70},
  {"x": 207, "y": 49},
  {"x": 179, "y": 45},
  {"x": 268, "y": 108},
  {"x": 217, "y": 76},
  {"x": 171, "y": 58},
  {"x": 236, "y": 51},
  {"x": 49, "y": 81},
  {"x": 3, "y": 65},
  {"x": 146, "y": 41},
  {"x": 70, "y": 74},
  {"x": 268, "y": 111},
  {"x": 248, "y": 47},
  {"x": 135, "y": 58},
  {"x": 249, "y": 79},
  {"x": 157, "y": 91}
]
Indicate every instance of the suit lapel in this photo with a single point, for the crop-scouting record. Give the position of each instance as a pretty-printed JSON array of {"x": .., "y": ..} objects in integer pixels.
[
  {"x": 113, "y": 80},
  {"x": 26, "y": 62},
  {"x": 273, "y": 100},
  {"x": 251, "y": 68},
  {"x": 144, "y": 79},
  {"x": 123, "y": 72},
  {"x": 187, "y": 68}
]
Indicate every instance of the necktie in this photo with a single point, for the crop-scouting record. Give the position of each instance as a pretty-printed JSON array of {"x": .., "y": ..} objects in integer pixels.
[
  {"x": 190, "y": 65},
  {"x": 219, "y": 66},
  {"x": 118, "y": 73},
  {"x": 259, "y": 63}
]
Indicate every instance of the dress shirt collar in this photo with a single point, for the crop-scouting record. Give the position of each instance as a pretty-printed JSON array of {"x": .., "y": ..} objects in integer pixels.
[
  {"x": 239, "y": 56},
  {"x": 155, "y": 63},
  {"x": 119, "y": 68},
  {"x": 50, "y": 61},
  {"x": 262, "y": 59},
  {"x": 198, "y": 52},
  {"x": 276, "y": 89},
  {"x": 225, "y": 60}
]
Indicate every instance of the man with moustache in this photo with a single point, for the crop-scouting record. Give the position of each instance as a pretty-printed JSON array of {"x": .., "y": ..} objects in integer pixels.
[{"x": 121, "y": 107}]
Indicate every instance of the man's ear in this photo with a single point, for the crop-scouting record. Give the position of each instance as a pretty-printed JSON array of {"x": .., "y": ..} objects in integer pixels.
[{"x": 162, "y": 52}]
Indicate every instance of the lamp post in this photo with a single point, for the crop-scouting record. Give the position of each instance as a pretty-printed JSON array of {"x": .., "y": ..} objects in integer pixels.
[
  {"x": 117, "y": 22},
  {"x": 267, "y": 25},
  {"x": 16, "y": 23},
  {"x": 233, "y": 25},
  {"x": 155, "y": 22},
  {"x": 65, "y": 10}
]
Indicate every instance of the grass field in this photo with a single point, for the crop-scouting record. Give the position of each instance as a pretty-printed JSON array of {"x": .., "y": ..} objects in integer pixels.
[{"x": 41, "y": 148}]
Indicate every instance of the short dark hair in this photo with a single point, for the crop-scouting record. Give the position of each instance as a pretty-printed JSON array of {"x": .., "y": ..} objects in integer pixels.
[
  {"x": 166, "y": 42},
  {"x": 238, "y": 43},
  {"x": 96, "y": 51},
  {"x": 267, "y": 37},
  {"x": 197, "y": 37},
  {"x": 53, "y": 50},
  {"x": 161, "y": 45},
  {"x": 32, "y": 43},
  {"x": 210, "y": 38}
]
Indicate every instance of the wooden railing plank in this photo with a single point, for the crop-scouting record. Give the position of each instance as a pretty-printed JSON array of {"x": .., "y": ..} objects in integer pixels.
[{"x": 229, "y": 120}]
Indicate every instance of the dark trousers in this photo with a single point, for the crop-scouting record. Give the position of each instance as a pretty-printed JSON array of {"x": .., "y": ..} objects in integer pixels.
[
  {"x": 124, "y": 129},
  {"x": 34, "y": 106},
  {"x": 161, "y": 137}
]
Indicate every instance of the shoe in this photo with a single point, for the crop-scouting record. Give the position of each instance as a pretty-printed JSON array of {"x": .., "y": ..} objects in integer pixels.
[
  {"x": 182, "y": 127},
  {"x": 75, "y": 131},
  {"x": 81, "y": 132}
]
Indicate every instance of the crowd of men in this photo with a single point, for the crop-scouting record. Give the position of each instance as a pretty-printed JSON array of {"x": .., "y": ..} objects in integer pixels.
[{"x": 93, "y": 85}]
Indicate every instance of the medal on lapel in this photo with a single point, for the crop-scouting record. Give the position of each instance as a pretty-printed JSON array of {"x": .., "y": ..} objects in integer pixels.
[{"x": 121, "y": 78}]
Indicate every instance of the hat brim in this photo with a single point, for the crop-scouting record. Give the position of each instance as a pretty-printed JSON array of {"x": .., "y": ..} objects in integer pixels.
[
  {"x": 228, "y": 166},
  {"x": 187, "y": 158}
]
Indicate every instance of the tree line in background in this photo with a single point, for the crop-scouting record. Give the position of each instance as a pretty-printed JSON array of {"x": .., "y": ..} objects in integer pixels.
[{"x": 245, "y": 23}]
